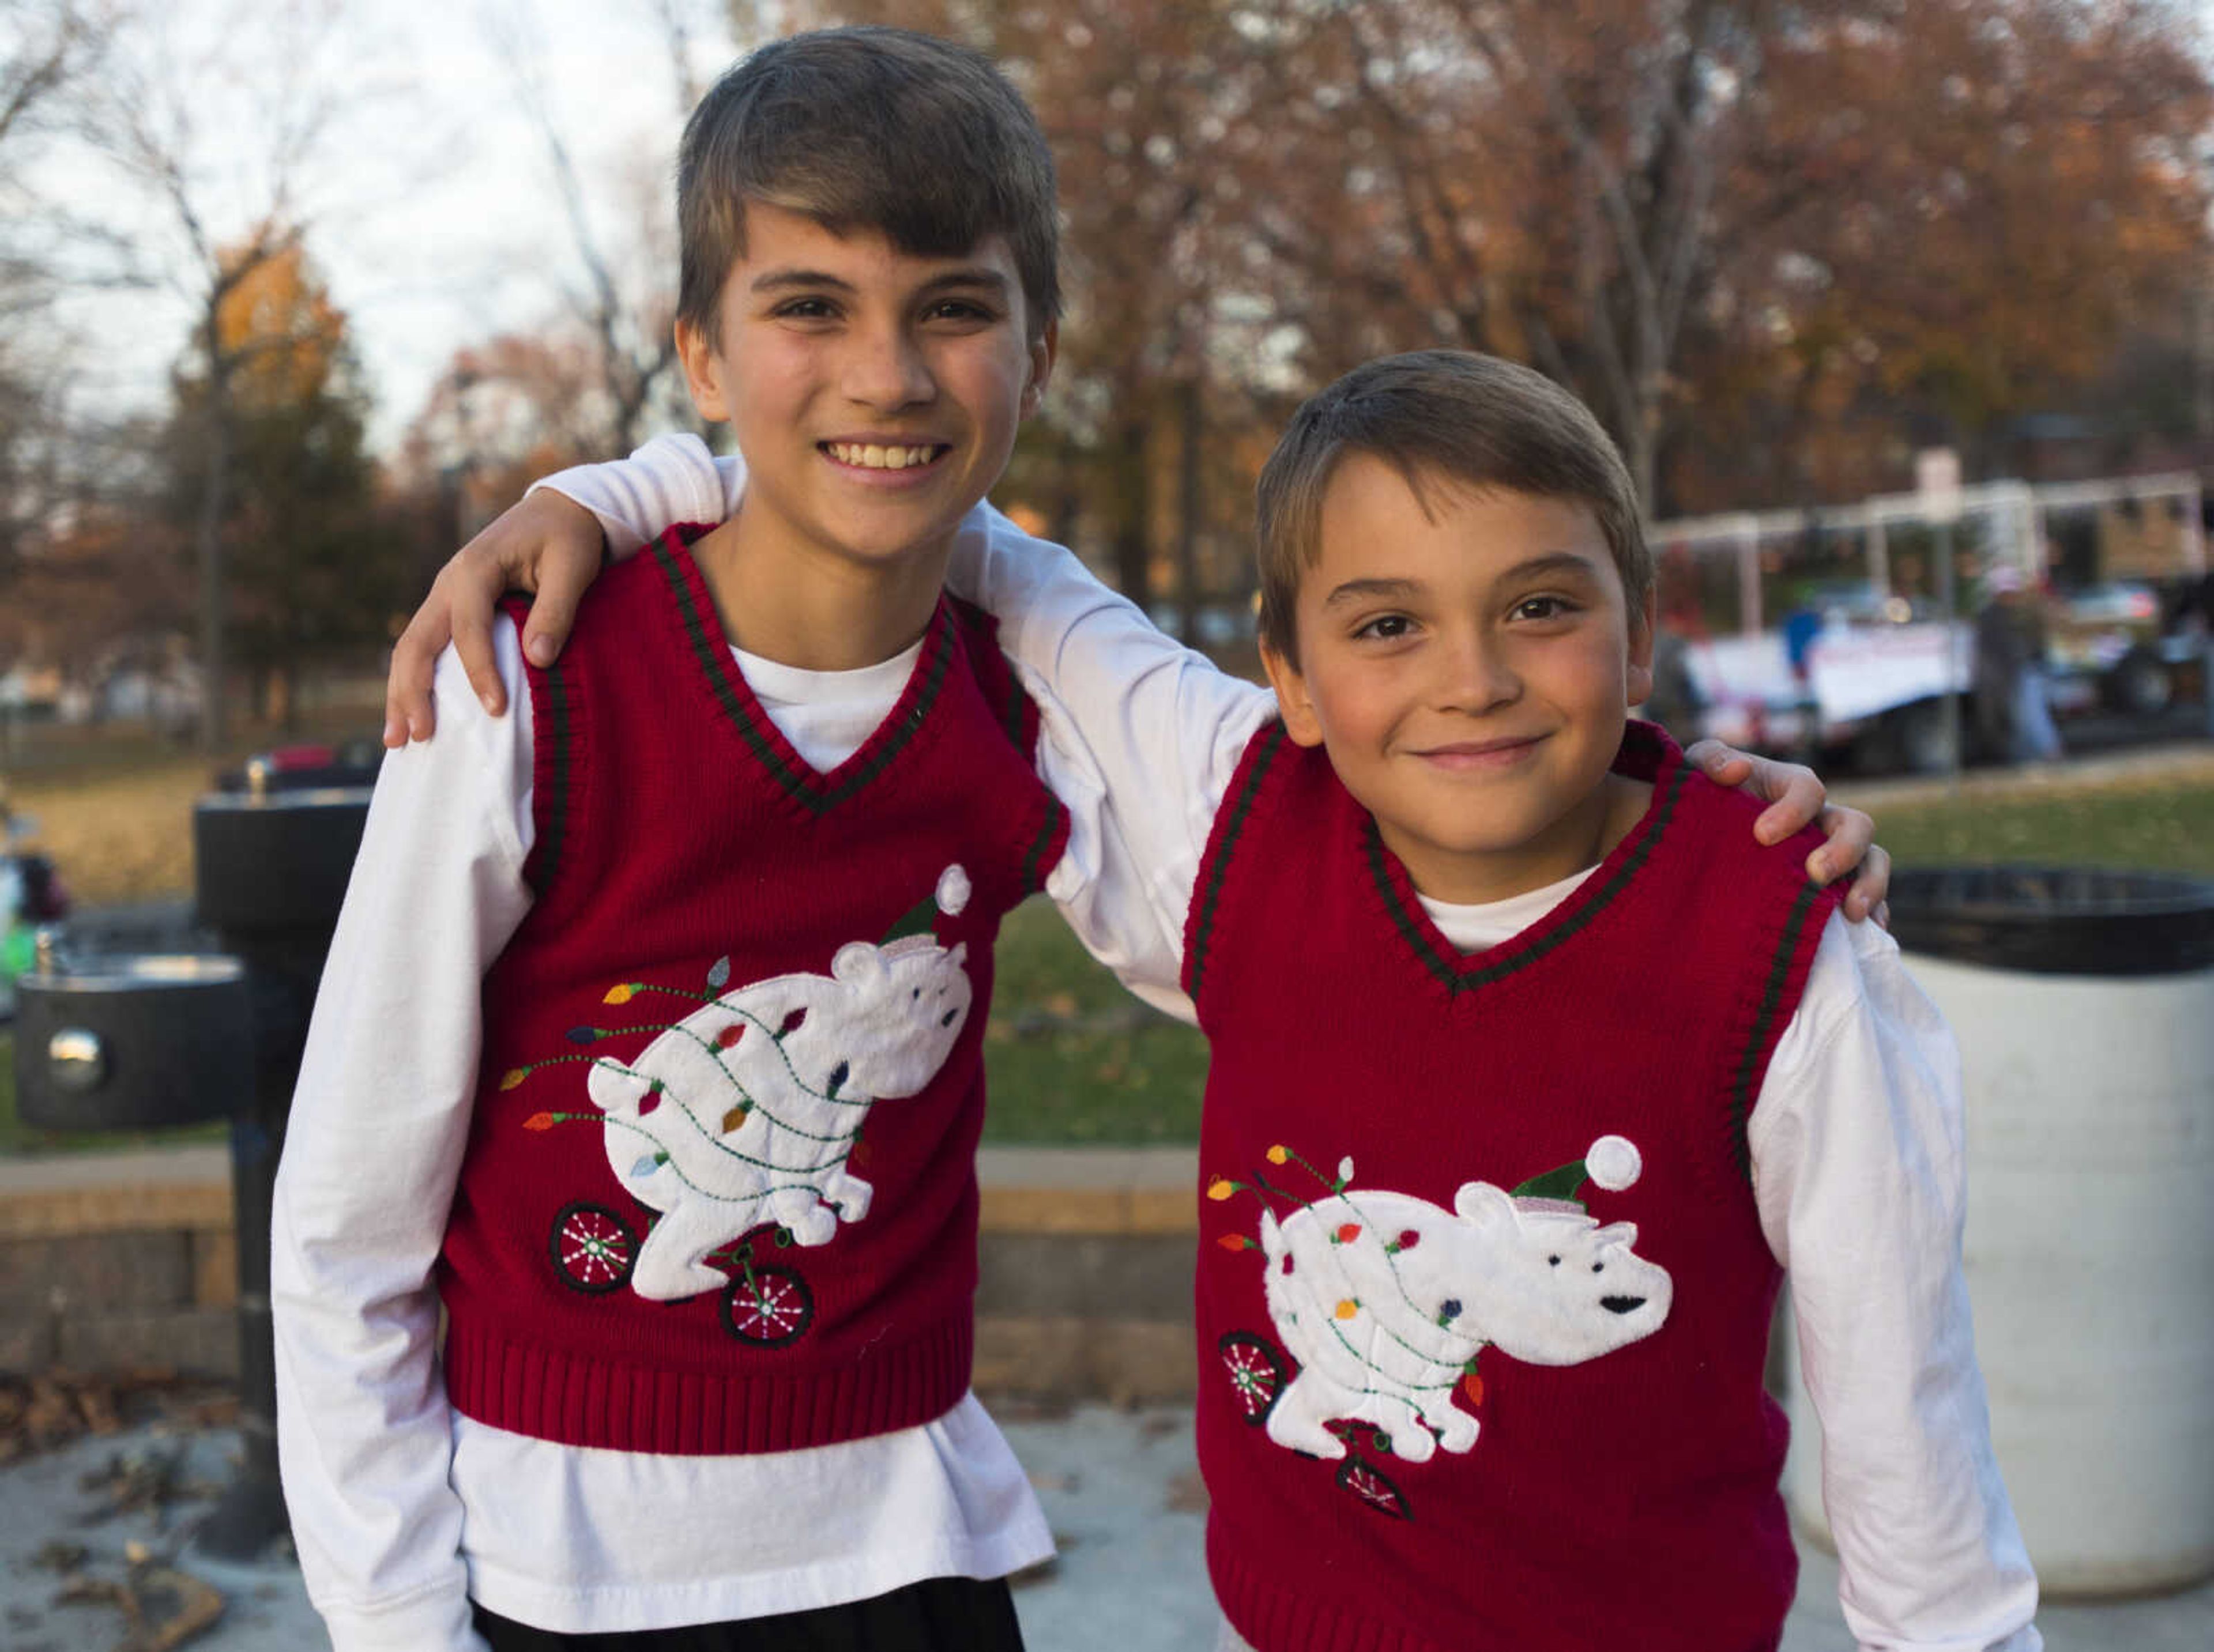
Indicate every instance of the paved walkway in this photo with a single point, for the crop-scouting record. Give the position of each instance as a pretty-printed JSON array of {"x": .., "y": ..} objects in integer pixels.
[{"x": 1120, "y": 1487}]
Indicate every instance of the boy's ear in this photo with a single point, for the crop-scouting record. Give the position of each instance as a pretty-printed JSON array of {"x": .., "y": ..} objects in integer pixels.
[
  {"x": 703, "y": 372},
  {"x": 1641, "y": 651},
  {"x": 1292, "y": 697},
  {"x": 1045, "y": 349}
]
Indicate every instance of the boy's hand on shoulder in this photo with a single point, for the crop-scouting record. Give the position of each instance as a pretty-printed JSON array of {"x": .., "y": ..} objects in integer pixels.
[
  {"x": 545, "y": 544},
  {"x": 1795, "y": 798}
]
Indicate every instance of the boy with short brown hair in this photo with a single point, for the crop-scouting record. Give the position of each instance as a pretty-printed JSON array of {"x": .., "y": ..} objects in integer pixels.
[
  {"x": 649, "y": 1042},
  {"x": 1556, "y": 1428}
]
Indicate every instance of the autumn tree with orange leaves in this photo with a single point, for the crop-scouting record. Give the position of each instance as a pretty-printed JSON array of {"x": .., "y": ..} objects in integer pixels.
[
  {"x": 1768, "y": 243},
  {"x": 311, "y": 571},
  {"x": 1957, "y": 215},
  {"x": 1730, "y": 227}
]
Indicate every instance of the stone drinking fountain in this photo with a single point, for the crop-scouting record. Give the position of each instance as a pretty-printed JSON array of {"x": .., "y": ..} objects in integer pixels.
[{"x": 149, "y": 1040}]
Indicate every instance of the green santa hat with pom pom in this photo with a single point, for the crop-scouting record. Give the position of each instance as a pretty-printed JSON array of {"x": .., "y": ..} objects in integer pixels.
[
  {"x": 1612, "y": 1161},
  {"x": 949, "y": 897}
]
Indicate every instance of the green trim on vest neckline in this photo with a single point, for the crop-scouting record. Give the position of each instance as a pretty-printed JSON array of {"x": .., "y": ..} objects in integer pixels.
[
  {"x": 812, "y": 789},
  {"x": 1459, "y": 974}
]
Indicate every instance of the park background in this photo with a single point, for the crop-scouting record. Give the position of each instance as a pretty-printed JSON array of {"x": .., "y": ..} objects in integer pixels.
[{"x": 295, "y": 296}]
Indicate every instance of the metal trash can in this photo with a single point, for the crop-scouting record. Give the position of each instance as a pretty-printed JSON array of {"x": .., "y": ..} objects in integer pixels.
[{"x": 2083, "y": 1004}]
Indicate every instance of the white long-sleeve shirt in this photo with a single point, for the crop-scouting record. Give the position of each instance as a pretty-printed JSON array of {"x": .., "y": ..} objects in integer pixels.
[
  {"x": 1856, "y": 1137},
  {"x": 403, "y": 1509}
]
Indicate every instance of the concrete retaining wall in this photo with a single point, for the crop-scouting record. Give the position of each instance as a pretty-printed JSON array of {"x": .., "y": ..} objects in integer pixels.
[{"x": 116, "y": 1262}]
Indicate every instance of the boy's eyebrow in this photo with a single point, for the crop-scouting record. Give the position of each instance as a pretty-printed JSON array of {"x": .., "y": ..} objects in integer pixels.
[
  {"x": 781, "y": 280},
  {"x": 778, "y": 280},
  {"x": 1554, "y": 562},
  {"x": 983, "y": 276},
  {"x": 1359, "y": 590}
]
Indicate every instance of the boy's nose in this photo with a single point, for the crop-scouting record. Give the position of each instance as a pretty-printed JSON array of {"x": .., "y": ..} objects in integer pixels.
[
  {"x": 1475, "y": 676},
  {"x": 884, "y": 368}
]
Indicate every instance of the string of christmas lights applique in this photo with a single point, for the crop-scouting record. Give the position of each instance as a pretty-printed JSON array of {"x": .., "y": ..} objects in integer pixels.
[
  {"x": 740, "y": 1125},
  {"x": 1382, "y": 1304}
]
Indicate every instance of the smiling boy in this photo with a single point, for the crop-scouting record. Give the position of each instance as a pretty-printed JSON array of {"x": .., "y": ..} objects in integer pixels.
[
  {"x": 875, "y": 395},
  {"x": 1582, "y": 995},
  {"x": 1477, "y": 800},
  {"x": 649, "y": 1042}
]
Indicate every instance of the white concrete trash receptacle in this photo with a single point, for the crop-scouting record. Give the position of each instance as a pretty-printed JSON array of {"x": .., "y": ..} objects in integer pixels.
[{"x": 2083, "y": 1004}]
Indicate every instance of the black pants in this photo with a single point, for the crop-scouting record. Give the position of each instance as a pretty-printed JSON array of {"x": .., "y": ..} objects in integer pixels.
[{"x": 940, "y": 1614}]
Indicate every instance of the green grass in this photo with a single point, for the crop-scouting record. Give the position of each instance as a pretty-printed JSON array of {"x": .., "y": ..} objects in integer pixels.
[
  {"x": 1070, "y": 1057},
  {"x": 2170, "y": 828}
]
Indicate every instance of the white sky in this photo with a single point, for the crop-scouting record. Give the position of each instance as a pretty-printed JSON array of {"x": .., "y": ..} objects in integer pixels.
[{"x": 432, "y": 208}]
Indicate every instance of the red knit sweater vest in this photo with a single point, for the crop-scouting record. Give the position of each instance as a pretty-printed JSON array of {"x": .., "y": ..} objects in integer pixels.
[
  {"x": 1484, "y": 1300},
  {"x": 720, "y": 1192}
]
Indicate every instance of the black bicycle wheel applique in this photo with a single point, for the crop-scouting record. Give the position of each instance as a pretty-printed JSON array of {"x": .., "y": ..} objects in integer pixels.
[
  {"x": 593, "y": 1248},
  {"x": 767, "y": 1306},
  {"x": 1257, "y": 1374}
]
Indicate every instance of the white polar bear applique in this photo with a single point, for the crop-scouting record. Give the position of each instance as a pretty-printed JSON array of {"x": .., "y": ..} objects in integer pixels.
[
  {"x": 1386, "y": 1300},
  {"x": 746, "y": 1112}
]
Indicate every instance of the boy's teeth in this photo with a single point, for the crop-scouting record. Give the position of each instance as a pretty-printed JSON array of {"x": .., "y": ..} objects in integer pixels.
[{"x": 874, "y": 457}]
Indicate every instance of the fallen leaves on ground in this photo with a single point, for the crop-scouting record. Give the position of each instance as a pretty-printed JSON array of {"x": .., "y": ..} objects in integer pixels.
[
  {"x": 163, "y": 1608},
  {"x": 144, "y": 1481},
  {"x": 39, "y": 1413}
]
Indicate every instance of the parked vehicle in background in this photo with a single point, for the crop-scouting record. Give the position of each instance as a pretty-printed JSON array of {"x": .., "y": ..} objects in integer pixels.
[
  {"x": 1818, "y": 631},
  {"x": 1870, "y": 683},
  {"x": 2110, "y": 649}
]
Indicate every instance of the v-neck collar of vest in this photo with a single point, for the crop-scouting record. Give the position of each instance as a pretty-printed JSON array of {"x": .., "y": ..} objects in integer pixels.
[
  {"x": 1457, "y": 971},
  {"x": 812, "y": 789}
]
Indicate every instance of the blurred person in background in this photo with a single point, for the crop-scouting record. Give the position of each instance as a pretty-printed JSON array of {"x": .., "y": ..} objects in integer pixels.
[{"x": 2014, "y": 718}]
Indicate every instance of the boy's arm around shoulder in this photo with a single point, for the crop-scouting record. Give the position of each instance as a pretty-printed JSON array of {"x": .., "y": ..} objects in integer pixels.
[
  {"x": 377, "y": 1131},
  {"x": 1856, "y": 1144},
  {"x": 551, "y": 542},
  {"x": 1139, "y": 738},
  {"x": 667, "y": 481}
]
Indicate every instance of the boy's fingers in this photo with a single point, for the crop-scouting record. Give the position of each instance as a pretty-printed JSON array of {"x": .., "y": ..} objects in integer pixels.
[
  {"x": 1851, "y": 844},
  {"x": 545, "y": 542},
  {"x": 1719, "y": 762},
  {"x": 1865, "y": 898},
  {"x": 407, "y": 710},
  {"x": 470, "y": 612},
  {"x": 566, "y": 571},
  {"x": 1793, "y": 792},
  {"x": 1794, "y": 798},
  {"x": 406, "y": 694}
]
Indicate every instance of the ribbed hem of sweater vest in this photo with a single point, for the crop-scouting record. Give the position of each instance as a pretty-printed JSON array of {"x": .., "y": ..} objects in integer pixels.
[
  {"x": 1272, "y": 1618},
  {"x": 589, "y": 1399}
]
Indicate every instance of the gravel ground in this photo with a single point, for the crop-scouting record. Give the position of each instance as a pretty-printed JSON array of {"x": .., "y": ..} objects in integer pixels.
[{"x": 1119, "y": 1486}]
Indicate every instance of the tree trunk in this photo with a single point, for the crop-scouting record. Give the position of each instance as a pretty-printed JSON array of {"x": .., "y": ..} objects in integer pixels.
[
  {"x": 208, "y": 546},
  {"x": 1188, "y": 510},
  {"x": 1641, "y": 443},
  {"x": 1131, "y": 505}
]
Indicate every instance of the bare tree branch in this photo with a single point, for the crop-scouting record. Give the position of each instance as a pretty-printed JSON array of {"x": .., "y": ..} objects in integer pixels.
[{"x": 636, "y": 348}]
